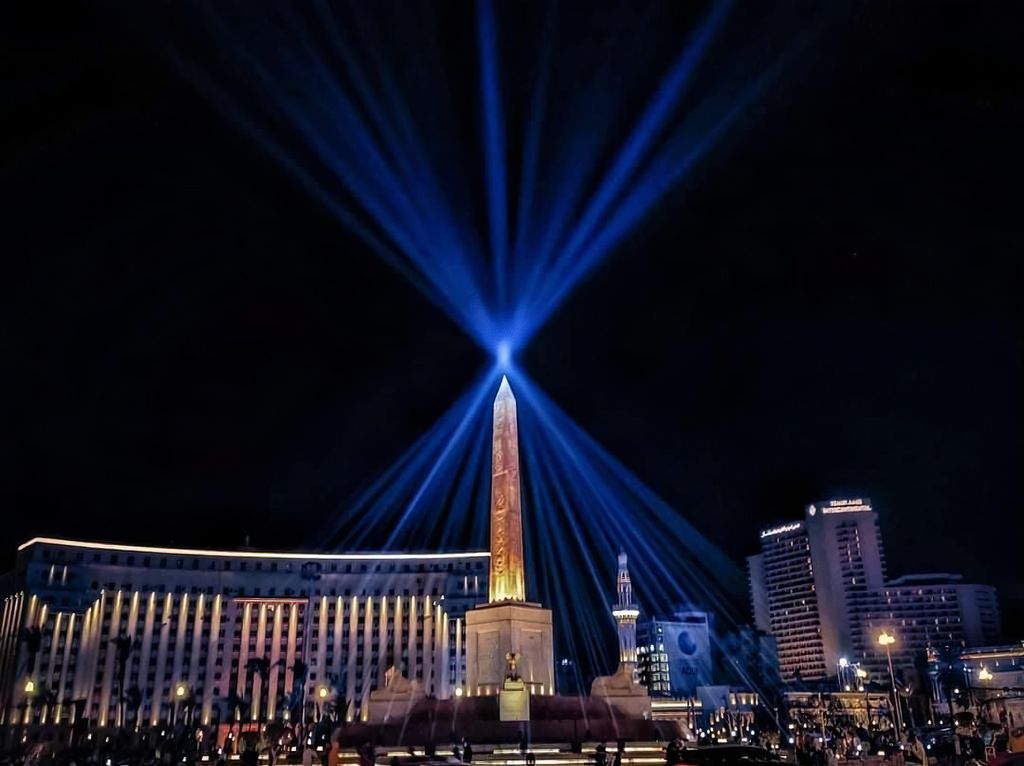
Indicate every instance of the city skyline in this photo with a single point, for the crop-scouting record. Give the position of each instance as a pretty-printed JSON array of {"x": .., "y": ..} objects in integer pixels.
[
  {"x": 395, "y": 381},
  {"x": 824, "y": 306}
]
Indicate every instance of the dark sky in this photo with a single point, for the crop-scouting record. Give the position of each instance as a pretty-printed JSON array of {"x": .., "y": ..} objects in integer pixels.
[{"x": 194, "y": 350}]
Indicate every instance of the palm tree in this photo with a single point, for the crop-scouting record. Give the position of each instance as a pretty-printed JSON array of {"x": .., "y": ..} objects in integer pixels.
[
  {"x": 48, "y": 699},
  {"x": 123, "y": 647},
  {"x": 235, "y": 703},
  {"x": 132, "y": 700},
  {"x": 949, "y": 673},
  {"x": 297, "y": 698},
  {"x": 33, "y": 640},
  {"x": 260, "y": 666}
]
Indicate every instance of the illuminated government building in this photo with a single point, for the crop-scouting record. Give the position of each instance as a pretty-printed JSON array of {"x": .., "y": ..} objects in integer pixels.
[
  {"x": 224, "y": 636},
  {"x": 819, "y": 586},
  {"x": 194, "y": 619}
]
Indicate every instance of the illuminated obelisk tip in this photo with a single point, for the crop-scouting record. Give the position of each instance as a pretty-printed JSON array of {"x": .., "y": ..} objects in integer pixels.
[{"x": 507, "y": 580}]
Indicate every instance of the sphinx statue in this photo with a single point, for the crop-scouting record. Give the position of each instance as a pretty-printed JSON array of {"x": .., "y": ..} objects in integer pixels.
[
  {"x": 396, "y": 699},
  {"x": 622, "y": 691}
]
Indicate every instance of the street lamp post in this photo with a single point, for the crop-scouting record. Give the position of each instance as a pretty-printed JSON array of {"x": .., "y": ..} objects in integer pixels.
[
  {"x": 910, "y": 709},
  {"x": 322, "y": 694},
  {"x": 180, "y": 693},
  {"x": 844, "y": 665},
  {"x": 887, "y": 640},
  {"x": 861, "y": 680},
  {"x": 30, "y": 689}
]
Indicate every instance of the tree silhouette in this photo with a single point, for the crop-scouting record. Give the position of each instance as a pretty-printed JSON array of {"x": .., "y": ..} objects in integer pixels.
[
  {"x": 260, "y": 666},
  {"x": 33, "y": 640},
  {"x": 295, "y": 700},
  {"x": 124, "y": 645},
  {"x": 132, "y": 700}
]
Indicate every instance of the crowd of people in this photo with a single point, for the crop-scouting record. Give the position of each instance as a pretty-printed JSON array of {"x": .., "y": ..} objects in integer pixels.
[
  {"x": 964, "y": 744},
  {"x": 842, "y": 743}
]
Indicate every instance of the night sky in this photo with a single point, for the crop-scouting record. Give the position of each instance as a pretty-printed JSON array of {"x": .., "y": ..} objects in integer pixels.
[{"x": 195, "y": 350}]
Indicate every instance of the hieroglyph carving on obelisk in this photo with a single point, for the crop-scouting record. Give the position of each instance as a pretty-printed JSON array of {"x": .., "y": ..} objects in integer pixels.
[{"x": 508, "y": 579}]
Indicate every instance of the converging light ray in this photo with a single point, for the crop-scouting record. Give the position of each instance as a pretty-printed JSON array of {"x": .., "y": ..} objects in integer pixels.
[
  {"x": 649, "y": 127},
  {"x": 664, "y": 171},
  {"x": 587, "y": 507},
  {"x": 315, "y": 90},
  {"x": 328, "y": 122},
  {"x": 612, "y": 489},
  {"x": 413, "y": 160},
  {"x": 494, "y": 147},
  {"x": 404, "y": 507},
  {"x": 313, "y": 186},
  {"x": 532, "y": 136},
  {"x": 310, "y": 75},
  {"x": 582, "y": 508}
]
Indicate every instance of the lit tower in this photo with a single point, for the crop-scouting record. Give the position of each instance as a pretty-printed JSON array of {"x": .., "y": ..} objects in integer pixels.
[
  {"x": 621, "y": 690},
  {"x": 509, "y": 639},
  {"x": 625, "y": 613},
  {"x": 508, "y": 579}
]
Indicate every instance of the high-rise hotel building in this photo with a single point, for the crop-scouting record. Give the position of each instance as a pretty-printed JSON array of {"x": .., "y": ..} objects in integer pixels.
[
  {"x": 811, "y": 578},
  {"x": 819, "y": 587},
  {"x": 926, "y": 610},
  {"x": 185, "y": 624}
]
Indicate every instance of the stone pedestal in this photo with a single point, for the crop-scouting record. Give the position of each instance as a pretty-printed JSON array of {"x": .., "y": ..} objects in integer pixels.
[
  {"x": 396, "y": 699},
  {"x": 514, "y": 702},
  {"x": 621, "y": 692},
  {"x": 495, "y": 630}
]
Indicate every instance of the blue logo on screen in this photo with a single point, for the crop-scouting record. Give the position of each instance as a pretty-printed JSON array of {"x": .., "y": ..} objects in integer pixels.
[{"x": 686, "y": 643}]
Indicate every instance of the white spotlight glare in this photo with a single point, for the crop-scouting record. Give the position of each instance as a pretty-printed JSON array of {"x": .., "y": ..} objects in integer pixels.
[{"x": 504, "y": 353}]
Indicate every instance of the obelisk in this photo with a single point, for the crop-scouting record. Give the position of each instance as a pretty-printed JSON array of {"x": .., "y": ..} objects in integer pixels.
[
  {"x": 508, "y": 640},
  {"x": 507, "y": 577}
]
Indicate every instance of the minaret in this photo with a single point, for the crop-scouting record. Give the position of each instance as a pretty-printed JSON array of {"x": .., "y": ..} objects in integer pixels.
[
  {"x": 621, "y": 690},
  {"x": 507, "y": 580},
  {"x": 625, "y": 613}
]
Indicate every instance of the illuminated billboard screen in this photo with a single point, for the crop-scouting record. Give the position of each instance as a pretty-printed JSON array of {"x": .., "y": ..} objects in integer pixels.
[{"x": 688, "y": 647}]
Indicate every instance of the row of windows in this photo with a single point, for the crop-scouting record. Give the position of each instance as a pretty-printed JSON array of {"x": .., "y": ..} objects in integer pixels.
[
  {"x": 242, "y": 592},
  {"x": 227, "y": 565}
]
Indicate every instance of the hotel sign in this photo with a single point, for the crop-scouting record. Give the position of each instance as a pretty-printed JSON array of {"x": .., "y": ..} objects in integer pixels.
[
  {"x": 853, "y": 505},
  {"x": 780, "y": 530}
]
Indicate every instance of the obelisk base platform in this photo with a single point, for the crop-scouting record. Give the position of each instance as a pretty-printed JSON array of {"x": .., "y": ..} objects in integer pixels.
[{"x": 495, "y": 630}]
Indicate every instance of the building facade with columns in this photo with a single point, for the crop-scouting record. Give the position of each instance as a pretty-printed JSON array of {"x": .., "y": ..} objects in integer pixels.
[{"x": 86, "y": 625}]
